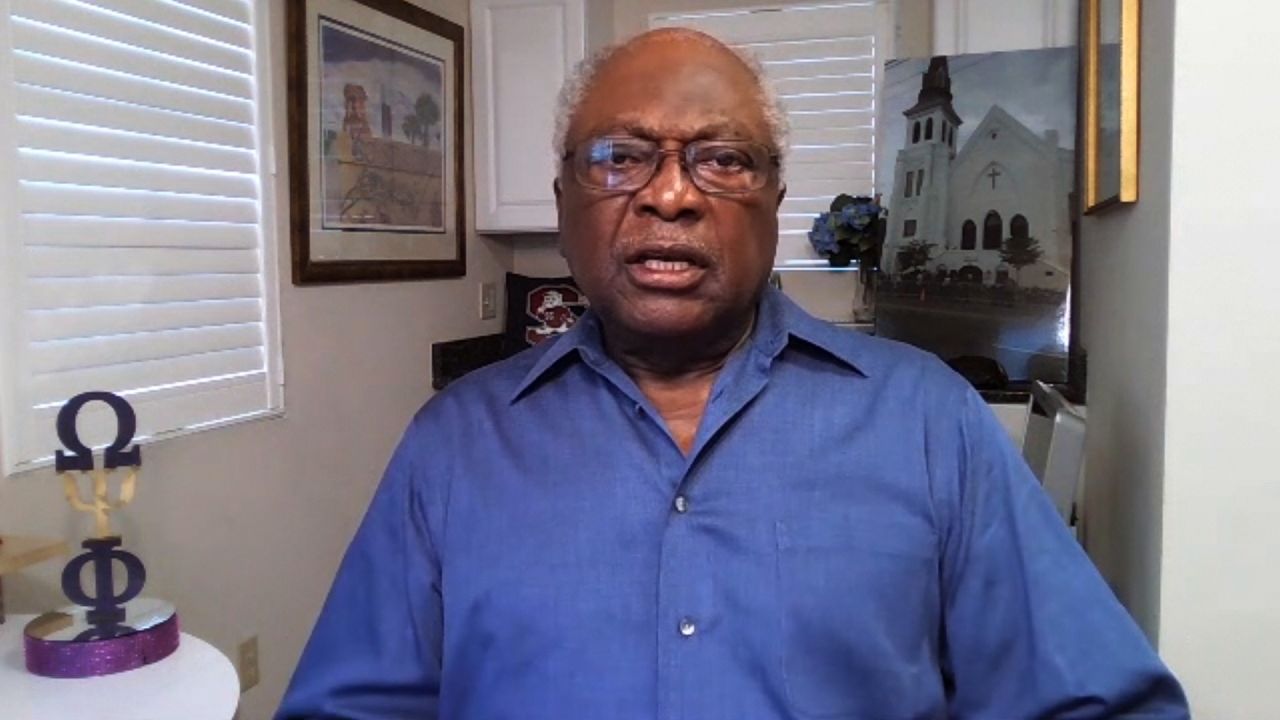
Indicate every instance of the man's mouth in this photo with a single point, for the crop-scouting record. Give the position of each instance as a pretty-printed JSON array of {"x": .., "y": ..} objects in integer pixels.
[
  {"x": 660, "y": 256},
  {"x": 666, "y": 265},
  {"x": 669, "y": 268}
]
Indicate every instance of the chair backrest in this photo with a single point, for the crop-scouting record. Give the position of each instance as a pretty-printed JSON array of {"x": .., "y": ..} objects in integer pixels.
[{"x": 1054, "y": 447}]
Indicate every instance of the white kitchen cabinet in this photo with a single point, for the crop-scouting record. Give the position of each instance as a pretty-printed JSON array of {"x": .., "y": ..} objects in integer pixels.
[{"x": 521, "y": 52}]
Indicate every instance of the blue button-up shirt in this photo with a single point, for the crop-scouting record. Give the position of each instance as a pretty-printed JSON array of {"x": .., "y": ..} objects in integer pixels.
[{"x": 852, "y": 536}]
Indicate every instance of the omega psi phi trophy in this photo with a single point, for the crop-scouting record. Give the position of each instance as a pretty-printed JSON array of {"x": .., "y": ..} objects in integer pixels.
[{"x": 110, "y": 628}]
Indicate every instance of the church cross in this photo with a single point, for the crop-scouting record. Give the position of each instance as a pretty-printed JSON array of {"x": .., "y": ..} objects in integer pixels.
[{"x": 993, "y": 175}]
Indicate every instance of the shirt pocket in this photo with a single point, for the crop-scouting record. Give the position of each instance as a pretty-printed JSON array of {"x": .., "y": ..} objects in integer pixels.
[{"x": 859, "y": 617}]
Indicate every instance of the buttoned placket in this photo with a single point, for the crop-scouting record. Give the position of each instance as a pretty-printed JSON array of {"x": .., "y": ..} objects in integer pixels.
[
  {"x": 686, "y": 599},
  {"x": 686, "y": 611},
  {"x": 679, "y": 612}
]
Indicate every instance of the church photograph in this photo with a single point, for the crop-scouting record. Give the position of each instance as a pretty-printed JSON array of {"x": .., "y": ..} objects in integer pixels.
[{"x": 976, "y": 157}]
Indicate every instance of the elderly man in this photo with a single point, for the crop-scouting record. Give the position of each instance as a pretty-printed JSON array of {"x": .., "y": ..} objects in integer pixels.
[{"x": 702, "y": 503}]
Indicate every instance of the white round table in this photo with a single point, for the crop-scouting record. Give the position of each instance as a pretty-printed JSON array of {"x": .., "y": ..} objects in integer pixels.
[{"x": 196, "y": 682}]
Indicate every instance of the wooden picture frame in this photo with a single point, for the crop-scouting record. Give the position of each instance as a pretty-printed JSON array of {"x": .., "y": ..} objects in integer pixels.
[
  {"x": 1110, "y": 33},
  {"x": 375, "y": 125}
]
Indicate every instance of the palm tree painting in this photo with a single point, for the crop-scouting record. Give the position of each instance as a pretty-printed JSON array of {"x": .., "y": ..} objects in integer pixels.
[
  {"x": 381, "y": 114},
  {"x": 426, "y": 114}
]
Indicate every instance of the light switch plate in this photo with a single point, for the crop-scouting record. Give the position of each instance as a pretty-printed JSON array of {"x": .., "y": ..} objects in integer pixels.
[
  {"x": 248, "y": 663},
  {"x": 488, "y": 301}
]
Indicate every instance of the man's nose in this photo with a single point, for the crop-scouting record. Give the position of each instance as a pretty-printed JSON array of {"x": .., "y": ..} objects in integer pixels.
[{"x": 670, "y": 194}]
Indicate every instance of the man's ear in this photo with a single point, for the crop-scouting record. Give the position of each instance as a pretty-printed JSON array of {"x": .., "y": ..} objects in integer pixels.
[
  {"x": 782, "y": 193},
  {"x": 555, "y": 188}
]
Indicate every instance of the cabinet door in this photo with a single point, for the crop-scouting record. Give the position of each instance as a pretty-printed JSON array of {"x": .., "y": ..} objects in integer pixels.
[
  {"x": 979, "y": 26},
  {"x": 522, "y": 50}
]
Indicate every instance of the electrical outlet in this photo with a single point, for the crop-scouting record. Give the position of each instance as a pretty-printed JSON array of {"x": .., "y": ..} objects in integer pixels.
[
  {"x": 488, "y": 301},
  {"x": 248, "y": 663}
]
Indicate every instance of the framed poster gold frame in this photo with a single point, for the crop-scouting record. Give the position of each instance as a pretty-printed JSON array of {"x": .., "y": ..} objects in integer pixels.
[{"x": 1091, "y": 43}]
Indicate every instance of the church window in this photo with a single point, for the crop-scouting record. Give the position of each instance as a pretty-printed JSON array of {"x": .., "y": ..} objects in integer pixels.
[
  {"x": 908, "y": 228},
  {"x": 1019, "y": 228},
  {"x": 928, "y": 129},
  {"x": 919, "y": 180},
  {"x": 915, "y": 133},
  {"x": 969, "y": 235},
  {"x": 911, "y": 179},
  {"x": 992, "y": 231}
]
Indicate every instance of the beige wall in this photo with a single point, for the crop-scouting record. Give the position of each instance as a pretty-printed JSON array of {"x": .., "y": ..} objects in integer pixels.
[
  {"x": 1124, "y": 285},
  {"x": 1219, "y": 590},
  {"x": 243, "y": 526},
  {"x": 1180, "y": 301},
  {"x": 539, "y": 256}
]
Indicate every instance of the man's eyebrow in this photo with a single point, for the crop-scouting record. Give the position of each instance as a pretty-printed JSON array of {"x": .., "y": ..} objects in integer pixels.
[
  {"x": 726, "y": 130},
  {"x": 635, "y": 130}
]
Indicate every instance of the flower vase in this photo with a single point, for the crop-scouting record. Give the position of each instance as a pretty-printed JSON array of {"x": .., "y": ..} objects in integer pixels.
[
  {"x": 842, "y": 257},
  {"x": 864, "y": 301}
]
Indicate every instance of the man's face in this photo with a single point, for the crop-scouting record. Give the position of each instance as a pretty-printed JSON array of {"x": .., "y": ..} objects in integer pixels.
[{"x": 669, "y": 260}]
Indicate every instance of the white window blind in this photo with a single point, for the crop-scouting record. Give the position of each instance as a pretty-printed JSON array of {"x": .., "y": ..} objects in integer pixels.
[
  {"x": 822, "y": 59},
  {"x": 135, "y": 253}
]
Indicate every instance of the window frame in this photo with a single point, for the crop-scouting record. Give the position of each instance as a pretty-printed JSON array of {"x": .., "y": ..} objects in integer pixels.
[
  {"x": 14, "y": 347},
  {"x": 969, "y": 235},
  {"x": 986, "y": 230},
  {"x": 1019, "y": 227}
]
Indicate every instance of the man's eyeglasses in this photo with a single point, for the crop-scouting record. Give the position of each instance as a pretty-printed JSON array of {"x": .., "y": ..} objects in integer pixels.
[{"x": 625, "y": 164}]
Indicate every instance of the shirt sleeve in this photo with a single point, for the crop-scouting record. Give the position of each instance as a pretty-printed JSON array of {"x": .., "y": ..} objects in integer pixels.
[
  {"x": 375, "y": 652},
  {"x": 1031, "y": 628}
]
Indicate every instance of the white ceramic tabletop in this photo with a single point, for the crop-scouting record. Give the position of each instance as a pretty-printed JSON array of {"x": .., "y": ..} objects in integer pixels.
[{"x": 196, "y": 682}]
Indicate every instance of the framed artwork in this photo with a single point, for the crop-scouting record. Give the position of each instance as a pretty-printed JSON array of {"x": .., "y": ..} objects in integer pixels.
[
  {"x": 375, "y": 142},
  {"x": 977, "y": 182},
  {"x": 1110, "y": 35}
]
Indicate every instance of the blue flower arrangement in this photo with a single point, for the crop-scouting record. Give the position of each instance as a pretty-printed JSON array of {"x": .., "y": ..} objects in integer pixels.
[{"x": 852, "y": 230}]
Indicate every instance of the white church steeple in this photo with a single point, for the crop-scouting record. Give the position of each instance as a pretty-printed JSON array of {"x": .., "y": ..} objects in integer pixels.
[
  {"x": 932, "y": 120},
  {"x": 921, "y": 188}
]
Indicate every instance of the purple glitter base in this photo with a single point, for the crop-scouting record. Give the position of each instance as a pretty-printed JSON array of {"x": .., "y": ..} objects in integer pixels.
[{"x": 63, "y": 659}]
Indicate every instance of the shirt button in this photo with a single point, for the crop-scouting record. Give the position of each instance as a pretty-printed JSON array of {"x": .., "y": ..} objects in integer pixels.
[
  {"x": 687, "y": 627},
  {"x": 682, "y": 504}
]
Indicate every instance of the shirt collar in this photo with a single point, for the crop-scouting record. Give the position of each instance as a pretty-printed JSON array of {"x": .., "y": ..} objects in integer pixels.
[
  {"x": 781, "y": 321},
  {"x": 778, "y": 322}
]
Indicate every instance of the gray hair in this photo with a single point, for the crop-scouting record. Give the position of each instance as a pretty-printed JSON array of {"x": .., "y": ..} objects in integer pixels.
[{"x": 579, "y": 81}]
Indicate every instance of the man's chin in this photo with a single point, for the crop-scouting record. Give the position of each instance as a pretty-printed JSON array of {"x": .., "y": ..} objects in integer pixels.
[{"x": 669, "y": 319}]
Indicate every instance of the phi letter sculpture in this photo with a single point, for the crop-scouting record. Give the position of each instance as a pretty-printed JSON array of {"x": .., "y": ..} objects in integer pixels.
[{"x": 105, "y": 631}]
